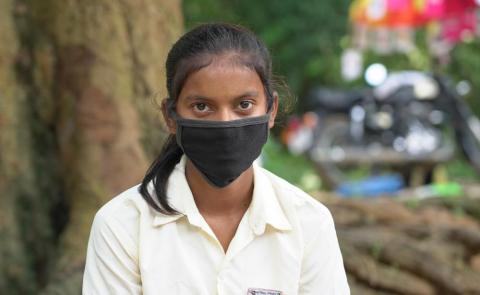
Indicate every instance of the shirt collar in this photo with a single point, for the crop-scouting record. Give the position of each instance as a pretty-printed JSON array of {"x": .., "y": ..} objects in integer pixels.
[
  {"x": 264, "y": 208},
  {"x": 179, "y": 197}
]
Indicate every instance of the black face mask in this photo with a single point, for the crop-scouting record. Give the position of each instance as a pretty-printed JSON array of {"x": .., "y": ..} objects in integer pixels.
[{"x": 221, "y": 150}]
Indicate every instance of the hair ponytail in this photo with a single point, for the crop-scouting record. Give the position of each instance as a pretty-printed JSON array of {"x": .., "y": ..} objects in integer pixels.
[{"x": 159, "y": 173}]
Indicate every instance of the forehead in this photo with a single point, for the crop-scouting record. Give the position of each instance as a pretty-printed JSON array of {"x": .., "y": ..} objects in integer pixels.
[{"x": 222, "y": 78}]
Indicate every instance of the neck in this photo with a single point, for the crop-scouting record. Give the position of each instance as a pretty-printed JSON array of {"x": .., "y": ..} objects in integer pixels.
[{"x": 232, "y": 199}]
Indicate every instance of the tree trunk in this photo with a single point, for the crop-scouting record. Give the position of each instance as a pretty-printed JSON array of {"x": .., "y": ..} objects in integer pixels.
[
  {"x": 15, "y": 163},
  {"x": 77, "y": 125}
]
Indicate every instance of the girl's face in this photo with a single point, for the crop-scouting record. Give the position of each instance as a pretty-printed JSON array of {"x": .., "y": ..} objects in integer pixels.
[{"x": 222, "y": 91}]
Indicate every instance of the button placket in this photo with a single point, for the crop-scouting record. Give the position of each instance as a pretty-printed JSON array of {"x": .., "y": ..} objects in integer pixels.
[
  {"x": 220, "y": 285},
  {"x": 222, "y": 276}
]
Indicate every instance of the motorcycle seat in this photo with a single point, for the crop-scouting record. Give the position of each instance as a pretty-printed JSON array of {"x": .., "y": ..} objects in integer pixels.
[{"x": 331, "y": 99}]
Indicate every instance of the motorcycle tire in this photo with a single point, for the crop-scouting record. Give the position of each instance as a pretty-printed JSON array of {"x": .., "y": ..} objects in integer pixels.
[{"x": 470, "y": 146}]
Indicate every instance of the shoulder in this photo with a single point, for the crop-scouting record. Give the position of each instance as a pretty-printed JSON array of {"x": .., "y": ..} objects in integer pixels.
[
  {"x": 290, "y": 194},
  {"x": 121, "y": 215},
  {"x": 300, "y": 207},
  {"x": 122, "y": 205}
]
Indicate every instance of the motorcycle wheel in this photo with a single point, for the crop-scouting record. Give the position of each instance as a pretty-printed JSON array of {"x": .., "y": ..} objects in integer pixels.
[
  {"x": 330, "y": 138},
  {"x": 470, "y": 145}
]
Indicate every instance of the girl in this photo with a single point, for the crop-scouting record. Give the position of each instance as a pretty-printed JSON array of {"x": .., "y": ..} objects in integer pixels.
[{"x": 206, "y": 219}]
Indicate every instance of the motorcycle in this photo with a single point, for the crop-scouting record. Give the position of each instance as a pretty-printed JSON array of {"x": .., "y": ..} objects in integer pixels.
[{"x": 411, "y": 122}]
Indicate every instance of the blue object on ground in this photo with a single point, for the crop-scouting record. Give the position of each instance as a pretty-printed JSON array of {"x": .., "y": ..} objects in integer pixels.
[{"x": 373, "y": 186}]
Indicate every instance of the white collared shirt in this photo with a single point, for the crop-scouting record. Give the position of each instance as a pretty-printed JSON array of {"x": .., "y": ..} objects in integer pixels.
[{"x": 285, "y": 244}]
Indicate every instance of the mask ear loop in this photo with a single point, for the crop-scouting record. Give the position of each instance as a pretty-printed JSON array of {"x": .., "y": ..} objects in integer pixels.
[{"x": 173, "y": 114}]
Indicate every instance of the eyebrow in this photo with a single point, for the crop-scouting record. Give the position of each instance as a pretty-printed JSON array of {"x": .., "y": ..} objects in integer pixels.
[{"x": 201, "y": 97}]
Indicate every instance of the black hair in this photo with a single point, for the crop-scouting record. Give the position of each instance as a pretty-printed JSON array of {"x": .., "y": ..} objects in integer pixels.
[{"x": 193, "y": 51}]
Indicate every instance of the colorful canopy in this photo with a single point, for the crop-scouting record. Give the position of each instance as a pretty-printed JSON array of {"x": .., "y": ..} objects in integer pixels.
[
  {"x": 388, "y": 26},
  {"x": 407, "y": 13}
]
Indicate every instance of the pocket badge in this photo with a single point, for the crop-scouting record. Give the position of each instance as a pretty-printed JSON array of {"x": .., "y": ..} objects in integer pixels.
[{"x": 254, "y": 291}]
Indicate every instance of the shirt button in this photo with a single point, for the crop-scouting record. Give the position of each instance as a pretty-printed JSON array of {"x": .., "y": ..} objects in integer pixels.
[
  {"x": 258, "y": 229},
  {"x": 220, "y": 287},
  {"x": 221, "y": 278}
]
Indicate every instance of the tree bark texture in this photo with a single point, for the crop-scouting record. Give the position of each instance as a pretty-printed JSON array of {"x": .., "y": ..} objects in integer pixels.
[{"x": 78, "y": 125}]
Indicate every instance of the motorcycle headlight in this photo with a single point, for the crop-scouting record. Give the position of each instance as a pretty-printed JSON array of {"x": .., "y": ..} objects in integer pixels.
[{"x": 426, "y": 89}]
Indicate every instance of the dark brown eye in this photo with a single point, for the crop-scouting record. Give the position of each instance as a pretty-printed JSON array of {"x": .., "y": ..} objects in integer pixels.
[
  {"x": 201, "y": 107},
  {"x": 245, "y": 105}
]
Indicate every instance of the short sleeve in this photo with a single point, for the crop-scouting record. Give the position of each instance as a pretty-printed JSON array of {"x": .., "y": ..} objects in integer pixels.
[
  {"x": 323, "y": 271},
  {"x": 112, "y": 260}
]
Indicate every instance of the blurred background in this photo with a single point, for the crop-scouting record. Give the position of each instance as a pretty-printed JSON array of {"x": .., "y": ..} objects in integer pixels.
[{"x": 381, "y": 126}]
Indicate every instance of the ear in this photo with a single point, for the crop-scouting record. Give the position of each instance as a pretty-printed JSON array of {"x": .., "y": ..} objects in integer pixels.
[
  {"x": 171, "y": 125},
  {"x": 273, "y": 114}
]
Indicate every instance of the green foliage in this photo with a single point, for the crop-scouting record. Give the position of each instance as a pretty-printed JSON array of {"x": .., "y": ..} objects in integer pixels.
[
  {"x": 295, "y": 169},
  {"x": 460, "y": 170},
  {"x": 304, "y": 36},
  {"x": 465, "y": 65}
]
